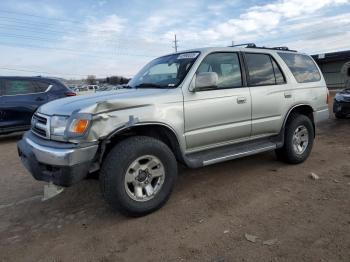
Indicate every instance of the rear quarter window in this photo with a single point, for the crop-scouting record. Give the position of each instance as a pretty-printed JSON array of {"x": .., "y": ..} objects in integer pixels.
[
  {"x": 42, "y": 86},
  {"x": 302, "y": 67}
]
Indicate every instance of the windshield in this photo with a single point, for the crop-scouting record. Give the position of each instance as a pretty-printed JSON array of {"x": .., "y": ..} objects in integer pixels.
[{"x": 164, "y": 72}]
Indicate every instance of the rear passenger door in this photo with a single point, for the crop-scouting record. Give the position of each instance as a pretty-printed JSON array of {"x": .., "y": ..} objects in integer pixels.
[
  {"x": 270, "y": 97},
  {"x": 21, "y": 97}
]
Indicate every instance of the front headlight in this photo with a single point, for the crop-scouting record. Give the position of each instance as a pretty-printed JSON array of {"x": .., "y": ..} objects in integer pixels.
[
  {"x": 58, "y": 125},
  {"x": 64, "y": 128}
]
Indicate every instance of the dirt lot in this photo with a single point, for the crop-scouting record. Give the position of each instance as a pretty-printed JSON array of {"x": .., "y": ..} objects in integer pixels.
[{"x": 206, "y": 219}]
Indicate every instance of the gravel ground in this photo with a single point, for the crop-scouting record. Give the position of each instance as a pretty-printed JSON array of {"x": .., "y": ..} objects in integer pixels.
[{"x": 250, "y": 209}]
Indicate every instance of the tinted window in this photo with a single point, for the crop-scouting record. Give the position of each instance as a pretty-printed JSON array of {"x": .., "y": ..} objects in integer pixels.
[
  {"x": 260, "y": 70},
  {"x": 278, "y": 74},
  {"x": 227, "y": 67},
  {"x": 42, "y": 86},
  {"x": 302, "y": 66},
  {"x": 18, "y": 87}
]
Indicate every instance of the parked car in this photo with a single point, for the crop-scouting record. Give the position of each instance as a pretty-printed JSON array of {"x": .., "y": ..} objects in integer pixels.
[
  {"x": 198, "y": 107},
  {"x": 341, "y": 104},
  {"x": 93, "y": 87},
  {"x": 21, "y": 96},
  {"x": 109, "y": 88},
  {"x": 86, "y": 89}
]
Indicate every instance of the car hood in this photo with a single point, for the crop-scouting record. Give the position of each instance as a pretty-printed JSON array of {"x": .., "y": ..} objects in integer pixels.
[
  {"x": 345, "y": 92},
  {"x": 109, "y": 101}
]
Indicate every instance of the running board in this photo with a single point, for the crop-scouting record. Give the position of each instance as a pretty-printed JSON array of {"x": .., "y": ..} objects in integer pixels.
[{"x": 224, "y": 153}]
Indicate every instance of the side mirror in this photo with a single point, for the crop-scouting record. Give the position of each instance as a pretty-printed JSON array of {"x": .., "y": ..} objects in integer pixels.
[{"x": 204, "y": 80}]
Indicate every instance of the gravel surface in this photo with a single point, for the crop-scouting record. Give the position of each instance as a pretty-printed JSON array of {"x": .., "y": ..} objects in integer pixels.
[{"x": 250, "y": 209}]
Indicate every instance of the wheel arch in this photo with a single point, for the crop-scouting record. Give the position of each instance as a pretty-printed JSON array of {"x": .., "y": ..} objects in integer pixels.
[
  {"x": 160, "y": 131},
  {"x": 303, "y": 109}
]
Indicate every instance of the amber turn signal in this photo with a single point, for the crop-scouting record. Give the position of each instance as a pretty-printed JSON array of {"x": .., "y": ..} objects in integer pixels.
[{"x": 79, "y": 126}]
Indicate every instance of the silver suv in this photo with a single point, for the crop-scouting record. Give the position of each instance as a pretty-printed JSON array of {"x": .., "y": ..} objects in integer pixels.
[{"x": 197, "y": 107}]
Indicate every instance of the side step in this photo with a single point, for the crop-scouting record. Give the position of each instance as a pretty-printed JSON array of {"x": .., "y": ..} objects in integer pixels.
[{"x": 224, "y": 153}]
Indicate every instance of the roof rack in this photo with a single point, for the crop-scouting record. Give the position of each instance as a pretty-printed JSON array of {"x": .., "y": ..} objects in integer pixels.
[{"x": 252, "y": 45}]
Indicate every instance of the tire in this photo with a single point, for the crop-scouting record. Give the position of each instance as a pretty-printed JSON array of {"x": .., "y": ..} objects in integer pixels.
[
  {"x": 120, "y": 167},
  {"x": 290, "y": 153},
  {"x": 340, "y": 115}
]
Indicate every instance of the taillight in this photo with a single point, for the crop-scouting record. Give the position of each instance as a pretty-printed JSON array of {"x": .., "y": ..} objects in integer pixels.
[{"x": 70, "y": 93}]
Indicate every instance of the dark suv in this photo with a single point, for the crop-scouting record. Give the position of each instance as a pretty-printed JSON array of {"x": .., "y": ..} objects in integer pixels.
[{"x": 21, "y": 96}]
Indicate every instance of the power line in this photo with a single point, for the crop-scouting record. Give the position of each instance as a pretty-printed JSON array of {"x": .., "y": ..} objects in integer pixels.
[
  {"x": 38, "y": 16},
  {"x": 108, "y": 55},
  {"x": 39, "y": 72}
]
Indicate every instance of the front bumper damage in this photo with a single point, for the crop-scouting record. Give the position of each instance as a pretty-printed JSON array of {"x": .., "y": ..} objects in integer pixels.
[{"x": 63, "y": 164}]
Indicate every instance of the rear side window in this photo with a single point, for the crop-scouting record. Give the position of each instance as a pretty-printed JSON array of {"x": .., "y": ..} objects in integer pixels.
[
  {"x": 303, "y": 67},
  {"x": 42, "y": 86},
  {"x": 278, "y": 74},
  {"x": 18, "y": 87},
  {"x": 263, "y": 70}
]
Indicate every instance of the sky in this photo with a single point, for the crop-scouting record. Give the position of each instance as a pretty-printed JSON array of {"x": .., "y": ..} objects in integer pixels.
[{"x": 73, "y": 39}]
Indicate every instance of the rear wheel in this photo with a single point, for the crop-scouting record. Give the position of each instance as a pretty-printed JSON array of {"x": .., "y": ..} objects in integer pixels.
[
  {"x": 138, "y": 175},
  {"x": 298, "y": 140}
]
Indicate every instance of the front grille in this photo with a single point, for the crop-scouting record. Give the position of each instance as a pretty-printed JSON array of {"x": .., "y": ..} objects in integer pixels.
[
  {"x": 41, "y": 125},
  {"x": 40, "y": 119}
]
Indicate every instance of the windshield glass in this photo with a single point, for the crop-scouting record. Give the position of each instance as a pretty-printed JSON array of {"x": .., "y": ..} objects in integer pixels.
[{"x": 164, "y": 72}]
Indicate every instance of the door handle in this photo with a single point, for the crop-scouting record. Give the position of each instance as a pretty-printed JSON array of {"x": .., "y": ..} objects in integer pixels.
[
  {"x": 241, "y": 100},
  {"x": 288, "y": 94}
]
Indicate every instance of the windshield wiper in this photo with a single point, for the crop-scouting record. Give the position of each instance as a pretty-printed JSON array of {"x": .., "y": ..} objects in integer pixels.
[{"x": 148, "y": 85}]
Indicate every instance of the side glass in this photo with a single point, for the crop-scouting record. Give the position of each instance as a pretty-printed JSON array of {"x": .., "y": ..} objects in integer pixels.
[
  {"x": 18, "y": 87},
  {"x": 227, "y": 67}
]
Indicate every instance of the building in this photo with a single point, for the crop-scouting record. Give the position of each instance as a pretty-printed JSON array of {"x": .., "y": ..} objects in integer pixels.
[{"x": 335, "y": 68}]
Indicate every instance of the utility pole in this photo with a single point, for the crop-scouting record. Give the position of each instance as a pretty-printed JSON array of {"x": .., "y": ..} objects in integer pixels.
[
  {"x": 233, "y": 43},
  {"x": 175, "y": 44}
]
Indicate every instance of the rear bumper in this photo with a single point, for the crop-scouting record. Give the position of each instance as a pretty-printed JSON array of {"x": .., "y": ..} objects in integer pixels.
[
  {"x": 60, "y": 163},
  {"x": 321, "y": 115}
]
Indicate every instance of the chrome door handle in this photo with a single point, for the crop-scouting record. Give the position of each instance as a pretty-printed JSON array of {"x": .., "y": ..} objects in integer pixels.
[
  {"x": 287, "y": 94},
  {"x": 241, "y": 100}
]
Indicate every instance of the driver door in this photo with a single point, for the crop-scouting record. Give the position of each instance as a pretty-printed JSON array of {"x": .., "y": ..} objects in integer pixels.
[{"x": 219, "y": 115}]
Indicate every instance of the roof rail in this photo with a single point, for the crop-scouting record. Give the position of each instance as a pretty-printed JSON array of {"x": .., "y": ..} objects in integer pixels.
[{"x": 252, "y": 45}]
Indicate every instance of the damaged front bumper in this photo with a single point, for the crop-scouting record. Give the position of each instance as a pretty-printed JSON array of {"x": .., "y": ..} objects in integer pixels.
[{"x": 63, "y": 164}]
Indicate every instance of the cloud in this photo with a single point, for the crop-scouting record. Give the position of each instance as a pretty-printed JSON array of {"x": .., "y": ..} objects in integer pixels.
[
  {"x": 261, "y": 22},
  {"x": 264, "y": 18},
  {"x": 118, "y": 42},
  {"x": 37, "y": 9}
]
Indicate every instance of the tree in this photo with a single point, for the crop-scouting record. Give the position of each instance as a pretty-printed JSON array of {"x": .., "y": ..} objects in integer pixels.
[{"x": 116, "y": 80}]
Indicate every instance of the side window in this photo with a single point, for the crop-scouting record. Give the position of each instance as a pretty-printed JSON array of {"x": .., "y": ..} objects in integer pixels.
[
  {"x": 278, "y": 74},
  {"x": 18, "y": 87},
  {"x": 302, "y": 67},
  {"x": 227, "y": 67},
  {"x": 260, "y": 69},
  {"x": 42, "y": 86}
]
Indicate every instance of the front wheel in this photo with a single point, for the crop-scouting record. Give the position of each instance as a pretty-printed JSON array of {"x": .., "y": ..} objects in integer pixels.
[
  {"x": 138, "y": 175},
  {"x": 298, "y": 140}
]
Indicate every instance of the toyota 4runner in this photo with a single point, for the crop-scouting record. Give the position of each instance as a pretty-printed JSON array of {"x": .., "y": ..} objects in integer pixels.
[{"x": 197, "y": 107}]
